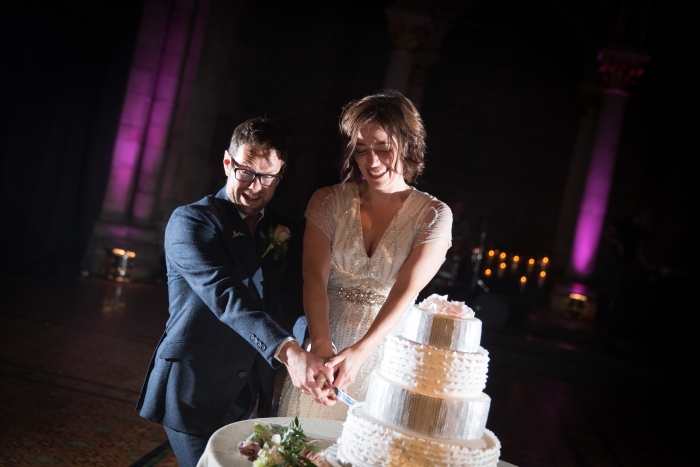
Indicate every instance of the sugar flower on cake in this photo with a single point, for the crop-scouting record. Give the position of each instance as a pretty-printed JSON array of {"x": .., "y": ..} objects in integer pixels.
[{"x": 440, "y": 305}]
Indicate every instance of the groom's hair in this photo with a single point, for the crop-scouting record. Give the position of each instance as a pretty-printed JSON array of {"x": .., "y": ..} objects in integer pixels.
[
  {"x": 398, "y": 117},
  {"x": 261, "y": 133}
]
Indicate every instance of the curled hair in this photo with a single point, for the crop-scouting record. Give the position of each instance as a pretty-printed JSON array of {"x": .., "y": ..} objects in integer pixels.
[
  {"x": 261, "y": 133},
  {"x": 398, "y": 117}
]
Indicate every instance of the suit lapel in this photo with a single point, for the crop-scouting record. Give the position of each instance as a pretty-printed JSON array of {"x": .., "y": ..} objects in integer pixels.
[{"x": 237, "y": 238}]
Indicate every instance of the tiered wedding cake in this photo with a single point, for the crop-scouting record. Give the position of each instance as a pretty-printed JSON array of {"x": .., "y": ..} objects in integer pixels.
[{"x": 425, "y": 405}]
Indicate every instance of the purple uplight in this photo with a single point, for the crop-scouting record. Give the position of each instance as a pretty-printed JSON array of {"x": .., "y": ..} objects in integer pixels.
[
  {"x": 598, "y": 181},
  {"x": 164, "y": 47}
]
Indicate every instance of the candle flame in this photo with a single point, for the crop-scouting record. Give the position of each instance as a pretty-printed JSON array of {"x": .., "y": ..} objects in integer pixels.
[
  {"x": 516, "y": 258},
  {"x": 523, "y": 279},
  {"x": 120, "y": 252},
  {"x": 502, "y": 265},
  {"x": 487, "y": 272},
  {"x": 543, "y": 274},
  {"x": 531, "y": 261}
]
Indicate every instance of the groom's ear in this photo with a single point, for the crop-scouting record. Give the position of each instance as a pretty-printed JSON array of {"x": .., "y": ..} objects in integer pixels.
[{"x": 227, "y": 161}]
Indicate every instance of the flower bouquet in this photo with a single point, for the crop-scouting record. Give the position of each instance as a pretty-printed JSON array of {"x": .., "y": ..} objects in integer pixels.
[{"x": 276, "y": 445}]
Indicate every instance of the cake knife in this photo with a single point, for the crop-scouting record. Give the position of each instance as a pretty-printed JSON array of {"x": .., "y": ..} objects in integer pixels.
[{"x": 341, "y": 395}]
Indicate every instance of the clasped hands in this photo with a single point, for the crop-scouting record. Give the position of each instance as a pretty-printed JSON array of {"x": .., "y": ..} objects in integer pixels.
[{"x": 309, "y": 371}]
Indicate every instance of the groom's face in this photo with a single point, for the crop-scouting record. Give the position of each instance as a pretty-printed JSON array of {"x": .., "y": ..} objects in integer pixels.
[{"x": 250, "y": 197}]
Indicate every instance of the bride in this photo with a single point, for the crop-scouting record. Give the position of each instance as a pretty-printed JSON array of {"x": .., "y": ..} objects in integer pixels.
[{"x": 371, "y": 244}]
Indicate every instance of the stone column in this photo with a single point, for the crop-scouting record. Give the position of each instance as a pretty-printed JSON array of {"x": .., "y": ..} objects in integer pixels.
[
  {"x": 619, "y": 71},
  {"x": 407, "y": 32},
  {"x": 423, "y": 64},
  {"x": 168, "y": 34},
  {"x": 589, "y": 98}
]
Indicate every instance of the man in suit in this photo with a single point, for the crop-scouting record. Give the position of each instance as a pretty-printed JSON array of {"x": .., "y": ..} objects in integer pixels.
[{"x": 221, "y": 344}]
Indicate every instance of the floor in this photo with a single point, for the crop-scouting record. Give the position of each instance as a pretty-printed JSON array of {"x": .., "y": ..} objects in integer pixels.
[{"x": 73, "y": 353}]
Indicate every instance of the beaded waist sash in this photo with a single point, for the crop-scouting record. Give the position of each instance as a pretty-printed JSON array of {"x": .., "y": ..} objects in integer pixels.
[{"x": 361, "y": 295}]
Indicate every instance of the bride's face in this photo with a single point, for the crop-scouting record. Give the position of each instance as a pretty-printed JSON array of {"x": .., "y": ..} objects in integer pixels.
[{"x": 375, "y": 154}]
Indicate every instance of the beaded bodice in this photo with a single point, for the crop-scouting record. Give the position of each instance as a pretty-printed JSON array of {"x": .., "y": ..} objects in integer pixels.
[{"x": 359, "y": 284}]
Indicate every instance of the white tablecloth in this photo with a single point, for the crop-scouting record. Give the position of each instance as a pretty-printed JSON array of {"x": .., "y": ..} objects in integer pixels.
[{"x": 222, "y": 448}]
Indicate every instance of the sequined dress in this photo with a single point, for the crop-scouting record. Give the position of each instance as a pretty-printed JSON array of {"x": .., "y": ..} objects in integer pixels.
[{"x": 359, "y": 284}]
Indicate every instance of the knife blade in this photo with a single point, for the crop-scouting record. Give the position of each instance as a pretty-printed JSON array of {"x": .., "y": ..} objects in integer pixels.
[{"x": 343, "y": 397}]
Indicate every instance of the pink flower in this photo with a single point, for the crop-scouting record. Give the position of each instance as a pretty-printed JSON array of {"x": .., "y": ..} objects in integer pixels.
[
  {"x": 281, "y": 233},
  {"x": 249, "y": 449}
]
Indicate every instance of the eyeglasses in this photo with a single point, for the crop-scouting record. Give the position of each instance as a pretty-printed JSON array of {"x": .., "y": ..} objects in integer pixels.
[{"x": 248, "y": 177}]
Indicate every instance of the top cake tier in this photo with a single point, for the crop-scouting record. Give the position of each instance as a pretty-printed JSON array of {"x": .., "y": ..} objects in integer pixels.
[{"x": 441, "y": 323}]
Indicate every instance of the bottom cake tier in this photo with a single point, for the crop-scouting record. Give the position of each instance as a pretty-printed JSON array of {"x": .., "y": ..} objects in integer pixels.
[{"x": 367, "y": 442}]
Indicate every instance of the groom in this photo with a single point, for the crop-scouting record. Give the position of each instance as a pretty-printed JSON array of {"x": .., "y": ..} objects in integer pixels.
[{"x": 221, "y": 345}]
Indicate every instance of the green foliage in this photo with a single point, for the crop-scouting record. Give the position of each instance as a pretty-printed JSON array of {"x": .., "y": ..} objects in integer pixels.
[{"x": 284, "y": 451}]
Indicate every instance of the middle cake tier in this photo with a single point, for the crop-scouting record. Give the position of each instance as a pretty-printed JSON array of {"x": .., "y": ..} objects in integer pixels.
[
  {"x": 432, "y": 371},
  {"x": 437, "y": 417}
]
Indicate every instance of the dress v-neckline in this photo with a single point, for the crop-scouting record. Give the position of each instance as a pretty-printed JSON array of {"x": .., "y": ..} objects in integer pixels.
[{"x": 359, "y": 220}]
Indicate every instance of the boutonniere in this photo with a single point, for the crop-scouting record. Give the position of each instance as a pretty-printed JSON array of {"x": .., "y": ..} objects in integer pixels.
[{"x": 278, "y": 238}]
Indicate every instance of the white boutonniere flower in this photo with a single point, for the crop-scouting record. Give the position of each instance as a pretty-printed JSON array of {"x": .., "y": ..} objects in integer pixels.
[{"x": 278, "y": 239}]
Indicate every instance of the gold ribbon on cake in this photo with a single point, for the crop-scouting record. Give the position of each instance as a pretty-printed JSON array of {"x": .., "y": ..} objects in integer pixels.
[{"x": 441, "y": 331}]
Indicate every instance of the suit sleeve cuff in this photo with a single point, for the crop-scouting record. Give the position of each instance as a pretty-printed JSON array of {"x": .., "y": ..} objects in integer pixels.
[{"x": 279, "y": 347}]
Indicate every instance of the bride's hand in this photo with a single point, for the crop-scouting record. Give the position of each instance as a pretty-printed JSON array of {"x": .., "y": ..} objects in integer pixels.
[
  {"x": 346, "y": 365},
  {"x": 323, "y": 350}
]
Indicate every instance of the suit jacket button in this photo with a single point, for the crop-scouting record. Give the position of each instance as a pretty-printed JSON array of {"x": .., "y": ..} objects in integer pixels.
[
  {"x": 264, "y": 347},
  {"x": 243, "y": 374}
]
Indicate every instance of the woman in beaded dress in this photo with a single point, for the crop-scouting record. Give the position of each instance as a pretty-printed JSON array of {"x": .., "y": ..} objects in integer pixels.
[{"x": 371, "y": 244}]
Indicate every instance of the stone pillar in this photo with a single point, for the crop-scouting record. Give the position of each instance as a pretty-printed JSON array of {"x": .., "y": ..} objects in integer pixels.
[
  {"x": 423, "y": 64},
  {"x": 589, "y": 98},
  {"x": 168, "y": 34},
  {"x": 619, "y": 71},
  {"x": 407, "y": 32}
]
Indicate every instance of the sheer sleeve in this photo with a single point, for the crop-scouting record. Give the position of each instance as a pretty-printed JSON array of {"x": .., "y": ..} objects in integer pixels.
[
  {"x": 437, "y": 223},
  {"x": 321, "y": 210}
]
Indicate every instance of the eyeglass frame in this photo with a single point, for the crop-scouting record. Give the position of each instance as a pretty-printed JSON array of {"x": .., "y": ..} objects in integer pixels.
[{"x": 255, "y": 174}]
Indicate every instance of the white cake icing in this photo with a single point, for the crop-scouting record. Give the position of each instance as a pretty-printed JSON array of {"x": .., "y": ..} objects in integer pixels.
[
  {"x": 432, "y": 371},
  {"x": 448, "y": 332},
  {"x": 366, "y": 442},
  {"x": 425, "y": 405},
  {"x": 400, "y": 407}
]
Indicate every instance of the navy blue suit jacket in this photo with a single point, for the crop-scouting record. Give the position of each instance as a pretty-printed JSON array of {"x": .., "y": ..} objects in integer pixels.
[{"x": 221, "y": 335}]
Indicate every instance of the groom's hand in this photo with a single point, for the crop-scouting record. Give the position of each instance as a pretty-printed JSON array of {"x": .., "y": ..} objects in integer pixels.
[{"x": 308, "y": 372}]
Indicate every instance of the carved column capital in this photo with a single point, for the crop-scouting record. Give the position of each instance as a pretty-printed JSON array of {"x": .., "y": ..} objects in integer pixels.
[
  {"x": 407, "y": 31},
  {"x": 620, "y": 70}
]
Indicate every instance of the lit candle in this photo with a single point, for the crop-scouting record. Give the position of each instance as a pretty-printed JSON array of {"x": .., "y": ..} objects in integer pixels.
[
  {"x": 530, "y": 265},
  {"x": 502, "y": 256},
  {"x": 514, "y": 265},
  {"x": 487, "y": 272},
  {"x": 501, "y": 269},
  {"x": 541, "y": 279},
  {"x": 544, "y": 263},
  {"x": 489, "y": 257},
  {"x": 523, "y": 281}
]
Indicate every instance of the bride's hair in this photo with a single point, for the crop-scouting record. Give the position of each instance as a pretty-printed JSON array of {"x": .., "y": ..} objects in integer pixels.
[{"x": 398, "y": 117}]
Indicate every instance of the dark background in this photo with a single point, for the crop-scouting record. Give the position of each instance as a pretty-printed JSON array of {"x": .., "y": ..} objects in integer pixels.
[{"x": 501, "y": 110}]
